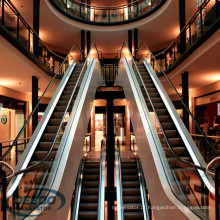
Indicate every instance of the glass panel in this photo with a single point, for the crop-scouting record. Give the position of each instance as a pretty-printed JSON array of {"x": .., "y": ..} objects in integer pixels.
[
  {"x": 10, "y": 19},
  {"x": 99, "y": 15},
  {"x": 23, "y": 34}
]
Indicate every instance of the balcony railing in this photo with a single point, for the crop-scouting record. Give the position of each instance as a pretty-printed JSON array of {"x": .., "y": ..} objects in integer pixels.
[
  {"x": 107, "y": 15},
  {"x": 200, "y": 23},
  {"x": 16, "y": 25}
]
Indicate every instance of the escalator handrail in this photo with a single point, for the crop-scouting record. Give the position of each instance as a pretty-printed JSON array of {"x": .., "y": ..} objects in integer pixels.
[
  {"x": 37, "y": 105},
  {"x": 162, "y": 129},
  {"x": 120, "y": 207},
  {"x": 101, "y": 205},
  {"x": 210, "y": 164},
  {"x": 27, "y": 169},
  {"x": 189, "y": 112},
  {"x": 142, "y": 183},
  {"x": 74, "y": 215}
]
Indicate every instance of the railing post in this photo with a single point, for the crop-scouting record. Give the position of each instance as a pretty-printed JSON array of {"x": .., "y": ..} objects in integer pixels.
[
  {"x": 3, "y": 199},
  {"x": 0, "y": 154},
  {"x": 29, "y": 38},
  {"x": 18, "y": 27},
  {"x": 16, "y": 153},
  {"x": 201, "y": 25},
  {"x": 3, "y": 12},
  {"x": 217, "y": 170}
]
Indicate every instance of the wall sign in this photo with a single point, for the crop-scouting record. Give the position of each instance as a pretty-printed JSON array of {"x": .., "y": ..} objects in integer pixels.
[{"x": 4, "y": 119}]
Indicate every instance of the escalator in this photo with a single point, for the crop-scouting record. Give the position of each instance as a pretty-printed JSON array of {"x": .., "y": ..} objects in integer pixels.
[
  {"x": 132, "y": 195},
  {"x": 47, "y": 147},
  {"x": 89, "y": 195},
  {"x": 166, "y": 142},
  {"x": 131, "y": 190},
  {"x": 88, "y": 207},
  {"x": 55, "y": 147}
]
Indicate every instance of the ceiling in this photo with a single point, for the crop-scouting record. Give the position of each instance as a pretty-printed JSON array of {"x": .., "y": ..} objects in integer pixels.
[{"x": 157, "y": 30}]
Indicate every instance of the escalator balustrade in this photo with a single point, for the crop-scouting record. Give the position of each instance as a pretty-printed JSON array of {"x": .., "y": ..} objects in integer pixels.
[{"x": 33, "y": 182}]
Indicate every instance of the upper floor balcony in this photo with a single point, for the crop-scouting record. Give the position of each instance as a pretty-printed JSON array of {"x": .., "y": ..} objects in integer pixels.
[{"x": 107, "y": 15}]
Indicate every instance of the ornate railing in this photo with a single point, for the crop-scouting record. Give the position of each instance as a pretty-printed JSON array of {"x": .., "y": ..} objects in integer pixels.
[
  {"x": 13, "y": 22},
  {"x": 205, "y": 17},
  {"x": 107, "y": 15}
]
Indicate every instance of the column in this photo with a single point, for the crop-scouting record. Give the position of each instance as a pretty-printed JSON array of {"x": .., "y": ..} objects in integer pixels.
[
  {"x": 182, "y": 22},
  {"x": 127, "y": 128},
  {"x": 110, "y": 156},
  {"x": 135, "y": 41},
  {"x": 130, "y": 40},
  {"x": 185, "y": 95},
  {"x": 83, "y": 44},
  {"x": 36, "y": 25},
  {"x": 129, "y": 9},
  {"x": 93, "y": 129},
  {"x": 34, "y": 102},
  {"x": 88, "y": 41}
]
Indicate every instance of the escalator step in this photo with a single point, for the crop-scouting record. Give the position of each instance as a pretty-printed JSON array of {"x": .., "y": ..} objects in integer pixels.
[
  {"x": 91, "y": 165},
  {"x": 65, "y": 97},
  {"x": 174, "y": 142},
  {"x": 128, "y": 165},
  {"x": 72, "y": 80},
  {"x": 156, "y": 105},
  {"x": 152, "y": 90},
  {"x": 90, "y": 183},
  {"x": 132, "y": 198},
  {"x": 168, "y": 125},
  {"x": 171, "y": 133},
  {"x": 130, "y": 184},
  {"x": 89, "y": 198},
  {"x": 88, "y": 206},
  {"x": 90, "y": 191},
  {"x": 154, "y": 95},
  {"x": 129, "y": 177},
  {"x": 129, "y": 171},
  {"x": 52, "y": 129},
  {"x": 57, "y": 115},
  {"x": 133, "y": 215},
  {"x": 88, "y": 215},
  {"x": 39, "y": 155},
  {"x": 180, "y": 151},
  {"x": 48, "y": 137},
  {"x": 91, "y": 170},
  {"x": 164, "y": 118},
  {"x": 64, "y": 103},
  {"x": 61, "y": 108},
  {"x": 131, "y": 191},
  {"x": 72, "y": 83},
  {"x": 69, "y": 88},
  {"x": 45, "y": 146},
  {"x": 132, "y": 207},
  {"x": 161, "y": 111},
  {"x": 93, "y": 177},
  {"x": 174, "y": 162},
  {"x": 54, "y": 122},
  {"x": 150, "y": 85}
]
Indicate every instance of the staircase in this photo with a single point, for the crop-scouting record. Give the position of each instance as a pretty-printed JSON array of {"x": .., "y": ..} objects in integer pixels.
[
  {"x": 131, "y": 190},
  {"x": 88, "y": 207}
]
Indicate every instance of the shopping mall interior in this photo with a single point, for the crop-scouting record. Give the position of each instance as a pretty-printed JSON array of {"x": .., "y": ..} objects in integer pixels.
[{"x": 109, "y": 109}]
